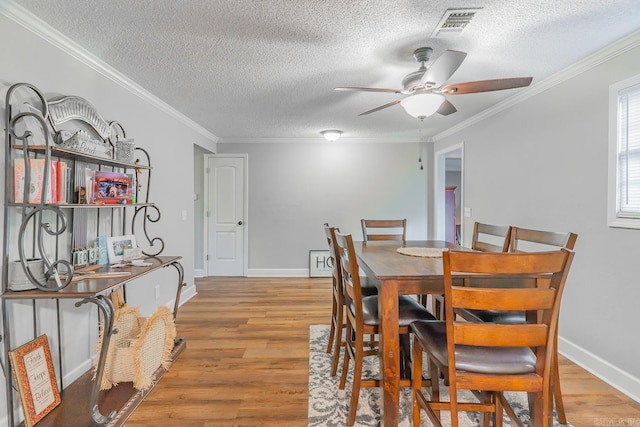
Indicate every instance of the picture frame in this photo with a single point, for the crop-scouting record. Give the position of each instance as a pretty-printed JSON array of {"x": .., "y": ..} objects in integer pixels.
[
  {"x": 112, "y": 188},
  {"x": 320, "y": 263},
  {"x": 116, "y": 246},
  {"x": 35, "y": 379}
]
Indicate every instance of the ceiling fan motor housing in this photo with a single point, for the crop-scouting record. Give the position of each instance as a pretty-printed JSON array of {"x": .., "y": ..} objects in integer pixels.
[{"x": 422, "y": 55}]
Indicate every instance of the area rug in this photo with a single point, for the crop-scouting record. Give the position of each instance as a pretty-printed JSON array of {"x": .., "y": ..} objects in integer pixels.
[{"x": 329, "y": 406}]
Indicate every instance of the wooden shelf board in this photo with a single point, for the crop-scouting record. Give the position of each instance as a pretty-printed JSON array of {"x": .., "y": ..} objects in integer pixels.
[
  {"x": 90, "y": 287},
  {"x": 83, "y": 206},
  {"x": 57, "y": 151},
  {"x": 123, "y": 398}
]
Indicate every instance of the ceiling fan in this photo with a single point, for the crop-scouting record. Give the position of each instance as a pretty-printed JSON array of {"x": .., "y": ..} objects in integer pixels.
[{"x": 425, "y": 90}]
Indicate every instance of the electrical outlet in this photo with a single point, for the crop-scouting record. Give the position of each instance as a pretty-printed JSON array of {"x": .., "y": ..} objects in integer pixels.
[{"x": 157, "y": 291}]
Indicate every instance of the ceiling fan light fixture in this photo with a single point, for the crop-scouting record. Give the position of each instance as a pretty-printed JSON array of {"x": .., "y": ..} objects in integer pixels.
[
  {"x": 331, "y": 135},
  {"x": 422, "y": 105}
]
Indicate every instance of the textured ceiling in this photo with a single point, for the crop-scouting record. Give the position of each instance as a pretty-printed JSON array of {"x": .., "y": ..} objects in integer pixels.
[{"x": 246, "y": 69}]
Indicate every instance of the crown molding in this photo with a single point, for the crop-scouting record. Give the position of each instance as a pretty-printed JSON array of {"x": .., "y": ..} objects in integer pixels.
[
  {"x": 32, "y": 23},
  {"x": 605, "y": 54},
  {"x": 314, "y": 140}
]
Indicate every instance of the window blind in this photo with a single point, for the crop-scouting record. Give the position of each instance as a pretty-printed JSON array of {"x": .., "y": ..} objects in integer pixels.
[{"x": 629, "y": 152}]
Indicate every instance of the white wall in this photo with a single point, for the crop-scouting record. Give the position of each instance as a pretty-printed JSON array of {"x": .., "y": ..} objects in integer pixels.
[
  {"x": 543, "y": 164},
  {"x": 167, "y": 136},
  {"x": 294, "y": 188}
]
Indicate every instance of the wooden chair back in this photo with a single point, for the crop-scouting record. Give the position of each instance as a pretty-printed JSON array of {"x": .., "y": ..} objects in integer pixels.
[
  {"x": 384, "y": 229},
  {"x": 549, "y": 270},
  {"x": 528, "y": 240},
  {"x": 348, "y": 261},
  {"x": 330, "y": 232},
  {"x": 490, "y": 238}
]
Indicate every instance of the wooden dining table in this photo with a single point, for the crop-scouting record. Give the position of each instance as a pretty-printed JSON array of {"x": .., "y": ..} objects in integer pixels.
[{"x": 397, "y": 274}]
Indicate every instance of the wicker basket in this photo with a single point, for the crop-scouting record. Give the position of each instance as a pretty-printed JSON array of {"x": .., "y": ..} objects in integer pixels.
[{"x": 139, "y": 348}]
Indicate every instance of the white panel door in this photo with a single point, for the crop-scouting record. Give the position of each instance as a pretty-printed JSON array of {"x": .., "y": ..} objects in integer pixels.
[{"x": 225, "y": 216}]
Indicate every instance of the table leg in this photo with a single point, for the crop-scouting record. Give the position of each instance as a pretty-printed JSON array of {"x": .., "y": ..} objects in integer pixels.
[{"x": 389, "y": 353}]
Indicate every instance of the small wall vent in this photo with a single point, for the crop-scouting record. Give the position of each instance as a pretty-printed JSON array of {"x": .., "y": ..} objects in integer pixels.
[{"x": 454, "y": 22}]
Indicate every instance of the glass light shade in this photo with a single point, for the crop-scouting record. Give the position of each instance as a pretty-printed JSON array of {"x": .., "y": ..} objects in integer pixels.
[
  {"x": 422, "y": 104},
  {"x": 331, "y": 135}
]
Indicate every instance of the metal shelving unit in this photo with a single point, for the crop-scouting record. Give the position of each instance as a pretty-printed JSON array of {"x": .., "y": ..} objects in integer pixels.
[{"x": 41, "y": 227}]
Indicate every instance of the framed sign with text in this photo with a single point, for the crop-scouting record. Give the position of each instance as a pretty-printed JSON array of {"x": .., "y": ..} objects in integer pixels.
[
  {"x": 35, "y": 378},
  {"x": 320, "y": 263}
]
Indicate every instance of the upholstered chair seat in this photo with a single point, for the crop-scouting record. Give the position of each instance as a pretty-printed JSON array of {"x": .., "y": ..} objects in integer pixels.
[
  {"x": 483, "y": 360},
  {"x": 409, "y": 311}
]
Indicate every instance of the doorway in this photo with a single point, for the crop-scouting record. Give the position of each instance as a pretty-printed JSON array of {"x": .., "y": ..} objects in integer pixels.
[
  {"x": 449, "y": 194},
  {"x": 226, "y": 214}
]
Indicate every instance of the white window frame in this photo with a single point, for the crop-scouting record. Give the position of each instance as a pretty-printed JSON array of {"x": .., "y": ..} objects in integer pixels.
[{"x": 614, "y": 217}]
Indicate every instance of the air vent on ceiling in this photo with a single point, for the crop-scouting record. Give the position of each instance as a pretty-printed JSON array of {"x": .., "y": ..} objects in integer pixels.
[{"x": 454, "y": 22}]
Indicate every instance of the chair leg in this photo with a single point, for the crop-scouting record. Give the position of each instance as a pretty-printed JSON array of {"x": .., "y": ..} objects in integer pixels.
[
  {"x": 416, "y": 381},
  {"x": 498, "y": 416},
  {"x": 557, "y": 391},
  {"x": 453, "y": 402},
  {"x": 538, "y": 411},
  {"x": 486, "y": 416},
  {"x": 434, "y": 372},
  {"x": 338, "y": 341},
  {"x": 332, "y": 330},
  {"x": 357, "y": 379},
  {"x": 345, "y": 362},
  {"x": 405, "y": 356}
]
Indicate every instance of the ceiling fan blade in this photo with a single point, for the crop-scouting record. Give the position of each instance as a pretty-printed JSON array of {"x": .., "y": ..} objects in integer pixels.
[
  {"x": 392, "y": 103},
  {"x": 368, "y": 89},
  {"x": 443, "y": 68},
  {"x": 446, "y": 108},
  {"x": 486, "y": 85}
]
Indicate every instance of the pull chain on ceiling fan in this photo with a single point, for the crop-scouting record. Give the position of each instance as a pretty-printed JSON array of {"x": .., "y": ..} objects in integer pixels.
[{"x": 424, "y": 88}]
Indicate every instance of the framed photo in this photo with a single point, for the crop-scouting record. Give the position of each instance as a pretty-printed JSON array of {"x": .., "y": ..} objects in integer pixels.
[
  {"x": 36, "y": 379},
  {"x": 320, "y": 263},
  {"x": 116, "y": 246},
  {"x": 112, "y": 188}
]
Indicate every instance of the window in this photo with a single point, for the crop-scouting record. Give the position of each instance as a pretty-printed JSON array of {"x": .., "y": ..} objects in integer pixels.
[{"x": 624, "y": 154}]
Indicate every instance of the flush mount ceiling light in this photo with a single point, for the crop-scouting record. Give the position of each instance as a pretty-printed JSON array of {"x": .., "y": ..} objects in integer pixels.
[
  {"x": 422, "y": 105},
  {"x": 331, "y": 135}
]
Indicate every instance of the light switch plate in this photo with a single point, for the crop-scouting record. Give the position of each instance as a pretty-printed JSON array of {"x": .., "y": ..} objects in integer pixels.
[{"x": 467, "y": 212}]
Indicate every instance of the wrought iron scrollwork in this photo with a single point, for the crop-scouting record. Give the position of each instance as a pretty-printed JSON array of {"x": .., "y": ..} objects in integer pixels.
[
  {"x": 52, "y": 267},
  {"x": 105, "y": 305},
  {"x": 150, "y": 213},
  {"x": 34, "y": 212},
  {"x": 181, "y": 284}
]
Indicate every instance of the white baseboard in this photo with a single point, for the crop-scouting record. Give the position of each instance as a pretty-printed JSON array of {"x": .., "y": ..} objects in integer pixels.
[
  {"x": 198, "y": 273},
  {"x": 612, "y": 375},
  {"x": 268, "y": 272}
]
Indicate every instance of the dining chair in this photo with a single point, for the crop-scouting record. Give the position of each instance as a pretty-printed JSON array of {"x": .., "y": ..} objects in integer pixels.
[
  {"x": 491, "y": 358},
  {"x": 384, "y": 229},
  {"x": 490, "y": 238},
  {"x": 530, "y": 240},
  {"x": 485, "y": 238},
  {"x": 388, "y": 229},
  {"x": 335, "y": 341},
  {"x": 362, "y": 319}
]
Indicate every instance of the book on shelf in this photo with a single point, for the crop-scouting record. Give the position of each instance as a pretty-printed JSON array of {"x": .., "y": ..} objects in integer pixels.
[{"x": 58, "y": 182}]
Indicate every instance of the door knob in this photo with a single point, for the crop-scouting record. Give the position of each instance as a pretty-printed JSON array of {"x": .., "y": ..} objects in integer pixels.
[{"x": 239, "y": 222}]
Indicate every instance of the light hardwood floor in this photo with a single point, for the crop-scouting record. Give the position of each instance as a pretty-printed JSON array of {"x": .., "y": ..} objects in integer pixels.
[{"x": 246, "y": 361}]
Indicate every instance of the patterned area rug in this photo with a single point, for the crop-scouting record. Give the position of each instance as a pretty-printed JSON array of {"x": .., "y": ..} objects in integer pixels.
[{"x": 329, "y": 406}]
